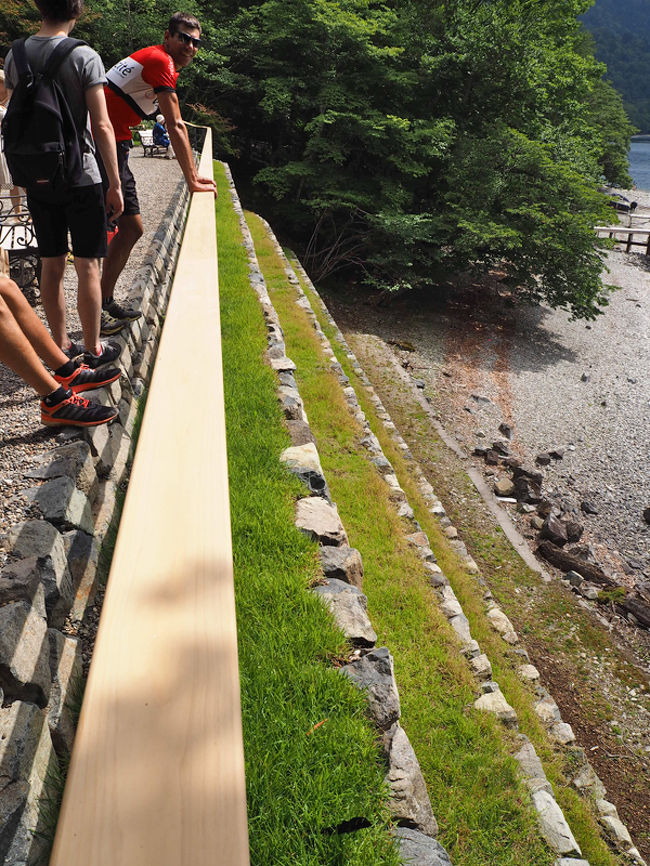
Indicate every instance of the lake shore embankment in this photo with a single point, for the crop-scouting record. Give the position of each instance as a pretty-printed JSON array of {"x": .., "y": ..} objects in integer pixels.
[{"x": 579, "y": 388}]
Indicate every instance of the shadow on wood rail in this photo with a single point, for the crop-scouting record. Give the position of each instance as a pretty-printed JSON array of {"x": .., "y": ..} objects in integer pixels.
[{"x": 157, "y": 769}]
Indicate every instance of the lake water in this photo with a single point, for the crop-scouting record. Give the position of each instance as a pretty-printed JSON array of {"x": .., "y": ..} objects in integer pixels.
[{"x": 640, "y": 164}]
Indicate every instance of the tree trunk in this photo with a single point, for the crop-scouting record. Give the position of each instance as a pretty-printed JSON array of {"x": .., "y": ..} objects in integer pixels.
[{"x": 632, "y": 603}]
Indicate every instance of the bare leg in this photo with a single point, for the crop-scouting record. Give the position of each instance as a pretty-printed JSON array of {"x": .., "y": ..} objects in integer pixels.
[
  {"x": 89, "y": 301},
  {"x": 17, "y": 353},
  {"x": 31, "y": 325},
  {"x": 53, "y": 299},
  {"x": 119, "y": 250}
]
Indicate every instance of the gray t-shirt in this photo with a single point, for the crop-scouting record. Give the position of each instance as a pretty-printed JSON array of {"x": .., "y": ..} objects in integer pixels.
[{"x": 80, "y": 70}]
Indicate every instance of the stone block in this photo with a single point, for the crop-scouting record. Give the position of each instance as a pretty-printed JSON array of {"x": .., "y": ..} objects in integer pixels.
[
  {"x": 320, "y": 521},
  {"x": 349, "y": 608},
  {"x": 563, "y": 733},
  {"x": 417, "y": 849},
  {"x": 82, "y": 551},
  {"x": 449, "y": 604},
  {"x": 553, "y": 825},
  {"x": 62, "y": 504},
  {"x": 373, "y": 673},
  {"x": 547, "y": 710},
  {"x": 299, "y": 432},
  {"x": 570, "y": 861},
  {"x": 26, "y": 756},
  {"x": 24, "y": 653},
  {"x": 291, "y": 403},
  {"x": 528, "y": 673},
  {"x": 20, "y": 580},
  {"x": 39, "y": 538},
  {"x": 460, "y": 625},
  {"x": 616, "y": 830},
  {"x": 303, "y": 461},
  {"x": 502, "y": 624},
  {"x": 481, "y": 667},
  {"x": 66, "y": 673},
  {"x": 495, "y": 702},
  {"x": 531, "y": 769},
  {"x": 408, "y": 800},
  {"x": 110, "y": 444},
  {"x": 282, "y": 364},
  {"x": 342, "y": 563},
  {"x": 74, "y": 461}
]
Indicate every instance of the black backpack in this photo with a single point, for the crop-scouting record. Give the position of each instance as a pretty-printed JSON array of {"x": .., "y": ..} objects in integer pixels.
[{"x": 40, "y": 140}]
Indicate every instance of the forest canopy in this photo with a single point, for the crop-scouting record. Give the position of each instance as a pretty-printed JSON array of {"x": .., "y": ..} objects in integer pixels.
[{"x": 403, "y": 141}]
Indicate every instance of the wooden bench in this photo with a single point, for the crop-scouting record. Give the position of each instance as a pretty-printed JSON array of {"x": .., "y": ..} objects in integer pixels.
[
  {"x": 18, "y": 241},
  {"x": 148, "y": 147},
  {"x": 629, "y": 237},
  {"x": 156, "y": 775}
]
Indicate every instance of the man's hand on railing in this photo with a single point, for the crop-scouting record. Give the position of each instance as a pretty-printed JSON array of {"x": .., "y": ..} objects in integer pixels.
[{"x": 203, "y": 184}]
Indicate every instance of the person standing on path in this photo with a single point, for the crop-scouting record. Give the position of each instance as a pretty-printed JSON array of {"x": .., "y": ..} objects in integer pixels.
[
  {"x": 80, "y": 208},
  {"x": 141, "y": 86}
]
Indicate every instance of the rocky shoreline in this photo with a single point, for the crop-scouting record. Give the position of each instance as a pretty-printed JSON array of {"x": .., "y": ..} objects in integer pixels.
[{"x": 572, "y": 397}]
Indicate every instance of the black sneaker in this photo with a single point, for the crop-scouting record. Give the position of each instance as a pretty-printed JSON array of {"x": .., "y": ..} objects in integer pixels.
[
  {"x": 76, "y": 411},
  {"x": 118, "y": 311},
  {"x": 83, "y": 378},
  {"x": 110, "y": 352},
  {"x": 74, "y": 350},
  {"x": 109, "y": 325}
]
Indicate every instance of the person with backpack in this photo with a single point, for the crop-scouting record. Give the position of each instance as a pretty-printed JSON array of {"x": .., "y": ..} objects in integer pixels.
[
  {"x": 23, "y": 340},
  {"x": 56, "y": 87},
  {"x": 140, "y": 87}
]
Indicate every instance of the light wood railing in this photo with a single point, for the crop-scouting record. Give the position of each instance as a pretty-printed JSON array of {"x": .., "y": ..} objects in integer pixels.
[{"x": 157, "y": 770}]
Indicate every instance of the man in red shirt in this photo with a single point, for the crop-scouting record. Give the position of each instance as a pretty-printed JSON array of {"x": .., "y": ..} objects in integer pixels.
[{"x": 142, "y": 86}]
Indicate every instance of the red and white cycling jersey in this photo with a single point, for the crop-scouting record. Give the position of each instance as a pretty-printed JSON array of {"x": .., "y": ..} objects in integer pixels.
[{"x": 132, "y": 87}]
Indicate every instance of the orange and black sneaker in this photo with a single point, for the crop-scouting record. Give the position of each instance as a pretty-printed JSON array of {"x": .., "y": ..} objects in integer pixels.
[
  {"x": 74, "y": 411},
  {"x": 83, "y": 378}
]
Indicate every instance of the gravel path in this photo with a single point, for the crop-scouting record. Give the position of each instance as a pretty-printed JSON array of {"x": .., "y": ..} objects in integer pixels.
[
  {"x": 583, "y": 388},
  {"x": 22, "y": 438}
]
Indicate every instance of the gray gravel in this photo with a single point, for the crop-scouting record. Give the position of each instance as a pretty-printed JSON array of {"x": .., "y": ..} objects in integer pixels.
[{"x": 22, "y": 438}]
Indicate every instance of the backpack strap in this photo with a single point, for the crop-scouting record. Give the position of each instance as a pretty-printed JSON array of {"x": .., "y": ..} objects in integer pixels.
[
  {"x": 59, "y": 54},
  {"x": 19, "y": 55}
]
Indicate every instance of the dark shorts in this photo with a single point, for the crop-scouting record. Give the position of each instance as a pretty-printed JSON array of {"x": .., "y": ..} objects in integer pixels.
[
  {"x": 129, "y": 192},
  {"x": 80, "y": 211}
]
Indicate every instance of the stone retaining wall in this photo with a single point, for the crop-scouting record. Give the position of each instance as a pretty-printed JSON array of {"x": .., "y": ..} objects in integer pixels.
[
  {"x": 49, "y": 580},
  {"x": 370, "y": 668}
]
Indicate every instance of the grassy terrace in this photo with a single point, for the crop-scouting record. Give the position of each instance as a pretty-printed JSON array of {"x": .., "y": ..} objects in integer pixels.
[{"x": 301, "y": 785}]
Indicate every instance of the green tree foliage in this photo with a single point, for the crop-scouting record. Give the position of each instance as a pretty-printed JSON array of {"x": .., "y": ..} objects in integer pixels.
[
  {"x": 409, "y": 139},
  {"x": 621, "y": 32},
  {"x": 413, "y": 139}
]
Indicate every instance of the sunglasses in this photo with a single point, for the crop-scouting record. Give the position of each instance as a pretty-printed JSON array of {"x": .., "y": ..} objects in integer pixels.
[{"x": 187, "y": 39}]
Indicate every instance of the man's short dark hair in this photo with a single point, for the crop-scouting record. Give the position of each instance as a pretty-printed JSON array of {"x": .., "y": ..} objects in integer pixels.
[
  {"x": 59, "y": 10},
  {"x": 180, "y": 19}
]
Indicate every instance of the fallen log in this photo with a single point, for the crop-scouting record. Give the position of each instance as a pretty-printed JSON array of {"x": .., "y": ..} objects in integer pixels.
[
  {"x": 637, "y": 606},
  {"x": 639, "y": 609},
  {"x": 570, "y": 562}
]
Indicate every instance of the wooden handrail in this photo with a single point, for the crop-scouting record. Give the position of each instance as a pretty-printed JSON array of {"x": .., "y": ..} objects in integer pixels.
[{"x": 157, "y": 770}]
